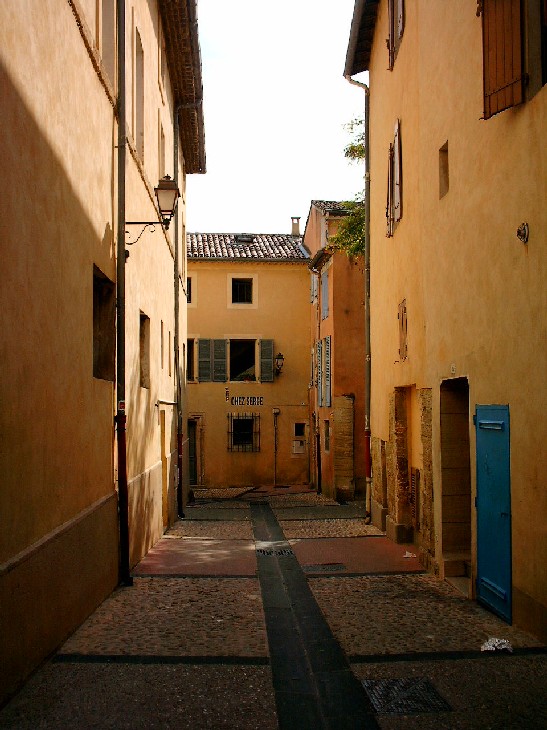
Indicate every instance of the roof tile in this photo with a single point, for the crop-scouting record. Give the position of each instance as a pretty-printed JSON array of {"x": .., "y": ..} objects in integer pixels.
[{"x": 255, "y": 246}]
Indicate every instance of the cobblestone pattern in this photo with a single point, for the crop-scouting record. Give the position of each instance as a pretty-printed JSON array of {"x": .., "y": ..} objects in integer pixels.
[
  {"x": 172, "y": 617},
  {"x": 217, "y": 504},
  {"x": 144, "y": 697},
  {"x": 312, "y": 499},
  {"x": 410, "y": 613},
  {"x": 224, "y": 493},
  {"x": 215, "y": 530},
  {"x": 472, "y": 689},
  {"x": 294, "y": 529}
]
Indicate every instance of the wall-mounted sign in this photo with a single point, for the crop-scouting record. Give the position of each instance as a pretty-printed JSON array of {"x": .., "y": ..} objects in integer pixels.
[{"x": 247, "y": 400}]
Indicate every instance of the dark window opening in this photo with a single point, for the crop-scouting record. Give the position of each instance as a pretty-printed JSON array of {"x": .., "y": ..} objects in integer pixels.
[
  {"x": 190, "y": 370},
  {"x": 144, "y": 345},
  {"x": 299, "y": 430},
  {"x": 242, "y": 360},
  {"x": 242, "y": 291},
  {"x": 403, "y": 331},
  {"x": 189, "y": 290},
  {"x": 244, "y": 432},
  {"x": 104, "y": 326},
  {"x": 327, "y": 435}
]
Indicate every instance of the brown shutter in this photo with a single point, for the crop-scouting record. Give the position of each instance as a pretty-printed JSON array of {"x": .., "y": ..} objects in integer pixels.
[
  {"x": 502, "y": 55},
  {"x": 389, "y": 201}
]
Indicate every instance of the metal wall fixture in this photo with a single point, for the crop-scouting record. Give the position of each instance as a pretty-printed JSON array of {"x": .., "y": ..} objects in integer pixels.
[
  {"x": 167, "y": 195},
  {"x": 523, "y": 232},
  {"x": 279, "y": 362}
]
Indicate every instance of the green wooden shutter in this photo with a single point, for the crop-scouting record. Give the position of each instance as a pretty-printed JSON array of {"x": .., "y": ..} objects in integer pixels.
[
  {"x": 319, "y": 373},
  {"x": 204, "y": 361},
  {"x": 327, "y": 372},
  {"x": 219, "y": 361},
  {"x": 266, "y": 361}
]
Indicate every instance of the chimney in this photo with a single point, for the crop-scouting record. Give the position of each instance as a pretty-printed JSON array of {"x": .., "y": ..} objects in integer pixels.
[{"x": 295, "y": 225}]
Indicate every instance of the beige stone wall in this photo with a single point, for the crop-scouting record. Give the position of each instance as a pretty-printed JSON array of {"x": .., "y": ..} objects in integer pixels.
[
  {"x": 476, "y": 296},
  {"x": 279, "y": 312}
]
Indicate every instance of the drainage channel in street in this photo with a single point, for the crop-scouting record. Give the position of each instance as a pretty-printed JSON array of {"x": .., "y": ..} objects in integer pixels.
[{"x": 313, "y": 683}]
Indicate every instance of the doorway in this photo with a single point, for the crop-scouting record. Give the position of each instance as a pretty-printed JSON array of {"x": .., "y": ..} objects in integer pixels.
[
  {"x": 455, "y": 478},
  {"x": 192, "y": 453}
]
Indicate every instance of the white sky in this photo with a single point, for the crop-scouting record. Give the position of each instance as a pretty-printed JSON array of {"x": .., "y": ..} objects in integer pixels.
[{"x": 275, "y": 105}]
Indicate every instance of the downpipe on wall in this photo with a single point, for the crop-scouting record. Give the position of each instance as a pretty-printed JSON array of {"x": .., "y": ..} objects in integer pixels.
[
  {"x": 121, "y": 417},
  {"x": 368, "y": 459}
]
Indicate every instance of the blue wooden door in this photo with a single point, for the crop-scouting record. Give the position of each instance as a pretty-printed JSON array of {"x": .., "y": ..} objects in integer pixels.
[{"x": 493, "y": 509}]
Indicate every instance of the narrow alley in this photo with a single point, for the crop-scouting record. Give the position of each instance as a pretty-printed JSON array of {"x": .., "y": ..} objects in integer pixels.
[{"x": 269, "y": 608}]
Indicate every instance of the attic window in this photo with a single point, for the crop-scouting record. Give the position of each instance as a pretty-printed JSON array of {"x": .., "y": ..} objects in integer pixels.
[{"x": 244, "y": 238}]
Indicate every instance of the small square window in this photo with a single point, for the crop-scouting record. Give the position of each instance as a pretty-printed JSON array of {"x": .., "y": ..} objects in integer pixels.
[
  {"x": 242, "y": 291},
  {"x": 299, "y": 430}
]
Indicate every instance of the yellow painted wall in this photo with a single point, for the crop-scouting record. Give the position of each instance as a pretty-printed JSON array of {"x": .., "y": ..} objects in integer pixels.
[
  {"x": 59, "y": 542},
  {"x": 281, "y": 314},
  {"x": 476, "y": 295}
]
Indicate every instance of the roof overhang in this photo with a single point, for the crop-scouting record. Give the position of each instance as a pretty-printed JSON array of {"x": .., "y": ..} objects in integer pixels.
[
  {"x": 320, "y": 258},
  {"x": 180, "y": 29},
  {"x": 360, "y": 38}
]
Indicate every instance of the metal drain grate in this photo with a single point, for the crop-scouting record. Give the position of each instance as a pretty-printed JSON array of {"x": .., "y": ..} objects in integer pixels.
[
  {"x": 404, "y": 696},
  {"x": 270, "y": 553},
  {"x": 322, "y": 568}
]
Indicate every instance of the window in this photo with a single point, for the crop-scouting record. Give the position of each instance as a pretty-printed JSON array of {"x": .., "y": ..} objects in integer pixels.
[
  {"x": 299, "y": 441},
  {"x": 217, "y": 363},
  {"x": 299, "y": 430},
  {"x": 244, "y": 432},
  {"x": 139, "y": 95},
  {"x": 242, "y": 291},
  {"x": 108, "y": 38},
  {"x": 403, "y": 331},
  {"x": 242, "y": 360},
  {"x": 161, "y": 344},
  {"x": 144, "y": 350},
  {"x": 327, "y": 360},
  {"x": 104, "y": 326},
  {"x": 396, "y": 28},
  {"x": 169, "y": 353},
  {"x": 514, "y": 38},
  {"x": 327, "y": 435},
  {"x": 190, "y": 367},
  {"x": 443, "y": 170},
  {"x": 324, "y": 295},
  {"x": 394, "y": 206},
  {"x": 162, "y": 61},
  {"x": 319, "y": 373},
  {"x": 189, "y": 290},
  {"x": 313, "y": 287}
]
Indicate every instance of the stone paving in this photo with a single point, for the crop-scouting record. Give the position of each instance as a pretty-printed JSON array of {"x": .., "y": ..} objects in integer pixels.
[{"x": 186, "y": 651}]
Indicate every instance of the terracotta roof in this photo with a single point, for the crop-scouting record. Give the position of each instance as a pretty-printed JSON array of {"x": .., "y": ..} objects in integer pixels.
[
  {"x": 180, "y": 28},
  {"x": 361, "y": 35},
  {"x": 245, "y": 246},
  {"x": 330, "y": 206}
]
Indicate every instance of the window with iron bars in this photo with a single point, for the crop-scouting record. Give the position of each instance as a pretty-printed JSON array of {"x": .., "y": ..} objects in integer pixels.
[{"x": 244, "y": 432}]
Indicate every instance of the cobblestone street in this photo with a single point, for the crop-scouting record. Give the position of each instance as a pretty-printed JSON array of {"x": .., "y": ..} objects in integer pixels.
[{"x": 265, "y": 609}]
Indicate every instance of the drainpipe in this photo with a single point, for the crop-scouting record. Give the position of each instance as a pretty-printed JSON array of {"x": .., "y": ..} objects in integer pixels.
[
  {"x": 176, "y": 343},
  {"x": 368, "y": 461},
  {"x": 121, "y": 418}
]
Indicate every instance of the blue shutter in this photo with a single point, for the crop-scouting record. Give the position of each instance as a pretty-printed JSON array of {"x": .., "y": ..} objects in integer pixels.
[
  {"x": 204, "y": 361},
  {"x": 266, "y": 361},
  {"x": 327, "y": 372}
]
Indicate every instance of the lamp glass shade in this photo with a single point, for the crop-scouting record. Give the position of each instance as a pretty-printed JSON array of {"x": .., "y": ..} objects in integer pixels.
[
  {"x": 167, "y": 194},
  {"x": 279, "y": 360}
]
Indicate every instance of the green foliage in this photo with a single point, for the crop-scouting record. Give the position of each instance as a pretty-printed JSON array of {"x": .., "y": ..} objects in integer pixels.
[
  {"x": 355, "y": 150},
  {"x": 350, "y": 236}
]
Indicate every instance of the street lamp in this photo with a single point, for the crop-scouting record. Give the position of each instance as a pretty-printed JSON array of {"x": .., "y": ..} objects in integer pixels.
[
  {"x": 279, "y": 362},
  {"x": 167, "y": 195}
]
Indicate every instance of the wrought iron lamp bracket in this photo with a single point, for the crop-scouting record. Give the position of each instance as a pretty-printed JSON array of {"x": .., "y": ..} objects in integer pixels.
[{"x": 144, "y": 224}]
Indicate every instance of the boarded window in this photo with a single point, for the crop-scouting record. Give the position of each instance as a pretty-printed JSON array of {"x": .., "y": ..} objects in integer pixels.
[
  {"x": 244, "y": 432},
  {"x": 104, "y": 326},
  {"x": 502, "y": 55},
  {"x": 396, "y": 28},
  {"x": 266, "y": 361}
]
